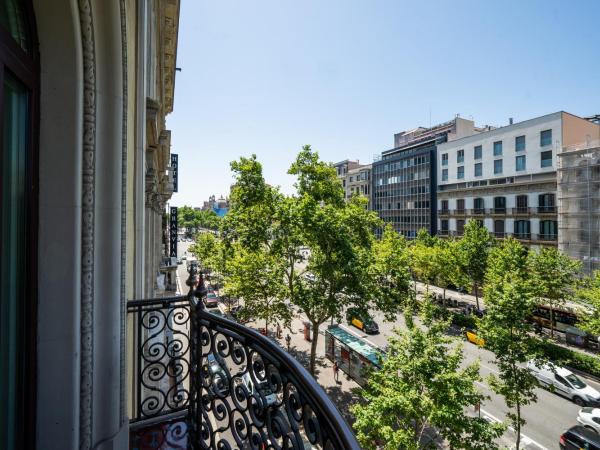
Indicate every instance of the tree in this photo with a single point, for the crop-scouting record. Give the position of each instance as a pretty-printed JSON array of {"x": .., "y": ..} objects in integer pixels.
[
  {"x": 554, "y": 276},
  {"x": 339, "y": 236},
  {"x": 447, "y": 269},
  {"x": 506, "y": 328},
  {"x": 390, "y": 272},
  {"x": 421, "y": 385},
  {"x": 588, "y": 295},
  {"x": 256, "y": 276},
  {"x": 423, "y": 262},
  {"x": 473, "y": 249}
]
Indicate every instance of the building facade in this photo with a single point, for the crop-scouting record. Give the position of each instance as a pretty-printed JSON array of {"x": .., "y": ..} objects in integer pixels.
[
  {"x": 579, "y": 202},
  {"x": 506, "y": 178},
  {"x": 355, "y": 178},
  {"x": 404, "y": 179},
  {"x": 86, "y": 87}
]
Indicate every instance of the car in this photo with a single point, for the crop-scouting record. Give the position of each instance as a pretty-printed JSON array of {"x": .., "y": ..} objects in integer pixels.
[
  {"x": 262, "y": 387},
  {"x": 211, "y": 300},
  {"x": 472, "y": 337},
  {"x": 362, "y": 321},
  {"x": 219, "y": 386},
  {"x": 589, "y": 418},
  {"x": 579, "y": 437},
  {"x": 565, "y": 383}
]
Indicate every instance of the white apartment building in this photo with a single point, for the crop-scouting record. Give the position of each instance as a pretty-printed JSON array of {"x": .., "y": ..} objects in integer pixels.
[{"x": 506, "y": 178}]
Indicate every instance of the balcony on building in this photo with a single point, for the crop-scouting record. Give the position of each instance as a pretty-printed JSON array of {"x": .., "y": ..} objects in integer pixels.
[
  {"x": 200, "y": 380},
  {"x": 546, "y": 210},
  {"x": 521, "y": 211}
]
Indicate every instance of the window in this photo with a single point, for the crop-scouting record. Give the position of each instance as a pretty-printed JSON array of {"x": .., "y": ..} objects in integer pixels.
[
  {"x": 545, "y": 138},
  {"x": 460, "y": 156},
  {"x": 500, "y": 205},
  {"x": 478, "y": 169},
  {"x": 479, "y": 205},
  {"x": 460, "y": 172},
  {"x": 499, "y": 228},
  {"x": 444, "y": 205},
  {"x": 546, "y": 203},
  {"x": 519, "y": 143},
  {"x": 460, "y": 227},
  {"x": 522, "y": 229},
  {"x": 460, "y": 204},
  {"x": 18, "y": 72},
  {"x": 546, "y": 159},
  {"x": 444, "y": 224},
  {"x": 444, "y": 159},
  {"x": 497, "y": 166},
  {"x": 477, "y": 152},
  {"x": 444, "y": 174},
  {"x": 520, "y": 163},
  {"x": 351, "y": 179},
  {"x": 521, "y": 201},
  {"x": 344, "y": 183},
  {"x": 497, "y": 148},
  {"x": 548, "y": 229}
]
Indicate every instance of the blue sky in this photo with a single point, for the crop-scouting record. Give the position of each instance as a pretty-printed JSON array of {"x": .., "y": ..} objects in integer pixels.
[{"x": 268, "y": 76}]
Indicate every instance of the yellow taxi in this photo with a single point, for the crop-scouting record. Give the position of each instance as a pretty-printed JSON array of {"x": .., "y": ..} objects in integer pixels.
[{"x": 474, "y": 339}]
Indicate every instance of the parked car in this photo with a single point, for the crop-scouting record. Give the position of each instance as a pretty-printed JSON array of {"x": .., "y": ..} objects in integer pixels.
[
  {"x": 472, "y": 337},
  {"x": 590, "y": 418},
  {"x": 361, "y": 321},
  {"x": 219, "y": 386},
  {"x": 578, "y": 438},
  {"x": 565, "y": 383},
  {"x": 262, "y": 387},
  {"x": 211, "y": 300}
]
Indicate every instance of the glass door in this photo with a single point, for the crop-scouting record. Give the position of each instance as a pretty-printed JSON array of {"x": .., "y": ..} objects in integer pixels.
[
  {"x": 13, "y": 258},
  {"x": 18, "y": 223}
]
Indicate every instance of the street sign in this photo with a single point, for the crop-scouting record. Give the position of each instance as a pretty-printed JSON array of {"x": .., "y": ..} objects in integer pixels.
[
  {"x": 174, "y": 166},
  {"x": 173, "y": 232}
]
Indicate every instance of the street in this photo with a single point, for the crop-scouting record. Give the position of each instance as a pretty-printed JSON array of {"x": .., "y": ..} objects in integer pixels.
[{"x": 546, "y": 419}]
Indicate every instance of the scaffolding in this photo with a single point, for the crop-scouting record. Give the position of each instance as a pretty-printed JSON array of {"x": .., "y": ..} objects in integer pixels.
[{"x": 579, "y": 203}]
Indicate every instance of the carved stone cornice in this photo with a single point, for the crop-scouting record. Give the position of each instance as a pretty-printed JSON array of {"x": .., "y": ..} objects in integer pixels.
[{"x": 169, "y": 32}]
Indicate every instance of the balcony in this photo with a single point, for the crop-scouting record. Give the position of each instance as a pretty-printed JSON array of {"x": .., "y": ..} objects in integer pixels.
[
  {"x": 501, "y": 211},
  {"x": 546, "y": 210},
  {"x": 499, "y": 234},
  {"x": 477, "y": 211},
  {"x": 202, "y": 381},
  {"x": 549, "y": 238},
  {"x": 522, "y": 236},
  {"x": 443, "y": 212},
  {"x": 521, "y": 211}
]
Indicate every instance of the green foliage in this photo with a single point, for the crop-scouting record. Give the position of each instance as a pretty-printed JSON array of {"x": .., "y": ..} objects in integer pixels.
[
  {"x": 316, "y": 179},
  {"x": 472, "y": 252},
  {"x": 422, "y": 385},
  {"x": 192, "y": 219},
  {"x": 554, "y": 276},
  {"x": 588, "y": 295},
  {"x": 506, "y": 328},
  {"x": 257, "y": 277},
  {"x": 390, "y": 273}
]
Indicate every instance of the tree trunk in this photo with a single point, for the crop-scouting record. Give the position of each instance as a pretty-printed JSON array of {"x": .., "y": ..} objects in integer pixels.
[
  {"x": 313, "y": 347},
  {"x": 266, "y": 327},
  {"x": 551, "y": 321},
  {"x": 476, "y": 295},
  {"x": 518, "y": 427},
  {"x": 444, "y": 296}
]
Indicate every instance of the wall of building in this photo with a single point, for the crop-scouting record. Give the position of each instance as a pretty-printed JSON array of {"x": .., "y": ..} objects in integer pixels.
[{"x": 577, "y": 131}]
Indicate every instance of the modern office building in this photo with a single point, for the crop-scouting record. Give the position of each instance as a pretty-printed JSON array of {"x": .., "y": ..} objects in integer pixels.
[
  {"x": 506, "y": 178},
  {"x": 579, "y": 202},
  {"x": 404, "y": 179}
]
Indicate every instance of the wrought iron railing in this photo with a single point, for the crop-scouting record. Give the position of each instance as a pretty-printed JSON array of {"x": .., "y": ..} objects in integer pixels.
[{"x": 228, "y": 386}]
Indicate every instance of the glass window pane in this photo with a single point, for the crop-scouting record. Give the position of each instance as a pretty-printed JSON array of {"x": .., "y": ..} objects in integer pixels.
[
  {"x": 545, "y": 137},
  {"x": 498, "y": 166},
  {"x": 520, "y": 163},
  {"x": 546, "y": 158},
  {"x": 478, "y": 169},
  {"x": 498, "y": 148},
  {"x": 12, "y": 19},
  {"x": 520, "y": 143},
  {"x": 477, "y": 152},
  {"x": 12, "y": 262}
]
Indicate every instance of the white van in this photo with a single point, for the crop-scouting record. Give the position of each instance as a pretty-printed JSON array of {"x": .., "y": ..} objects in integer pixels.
[{"x": 565, "y": 383}]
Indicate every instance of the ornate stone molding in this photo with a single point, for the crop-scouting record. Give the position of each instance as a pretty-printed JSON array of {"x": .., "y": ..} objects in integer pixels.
[
  {"x": 87, "y": 225},
  {"x": 123, "y": 303}
]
